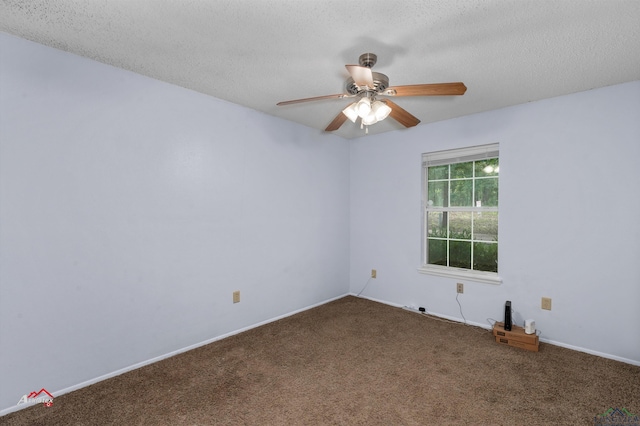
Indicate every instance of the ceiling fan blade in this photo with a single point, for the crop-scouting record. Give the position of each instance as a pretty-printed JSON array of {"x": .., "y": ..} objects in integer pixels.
[
  {"x": 437, "y": 89},
  {"x": 316, "y": 98},
  {"x": 361, "y": 75},
  {"x": 401, "y": 115},
  {"x": 336, "y": 123}
]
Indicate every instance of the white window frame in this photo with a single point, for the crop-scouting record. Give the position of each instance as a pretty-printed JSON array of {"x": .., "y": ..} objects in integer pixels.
[{"x": 461, "y": 155}]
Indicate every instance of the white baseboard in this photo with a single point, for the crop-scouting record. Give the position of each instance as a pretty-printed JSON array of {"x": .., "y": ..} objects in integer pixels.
[
  {"x": 167, "y": 355},
  {"x": 488, "y": 327},
  {"x": 591, "y": 352},
  {"x": 214, "y": 339}
]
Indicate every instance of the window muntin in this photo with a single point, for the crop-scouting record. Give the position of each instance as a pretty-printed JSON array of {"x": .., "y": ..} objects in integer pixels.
[{"x": 461, "y": 210}]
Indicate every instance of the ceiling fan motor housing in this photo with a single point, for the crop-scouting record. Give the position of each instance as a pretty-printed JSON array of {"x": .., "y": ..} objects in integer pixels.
[
  {"x": 380, "y": 81},
  {"x": 380, "y": 84}
]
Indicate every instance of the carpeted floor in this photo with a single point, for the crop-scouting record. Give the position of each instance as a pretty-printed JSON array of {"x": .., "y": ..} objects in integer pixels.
[{"x": 354, "y": 362}]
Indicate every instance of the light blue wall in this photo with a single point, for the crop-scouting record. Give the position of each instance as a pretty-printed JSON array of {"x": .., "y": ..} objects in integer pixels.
[
  {"x": 569, "y": 218},
  {"x": 131, "y": 209}
]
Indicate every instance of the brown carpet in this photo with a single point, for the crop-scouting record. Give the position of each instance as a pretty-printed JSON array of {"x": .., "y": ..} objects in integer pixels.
[{"x": 354, "y": 362}]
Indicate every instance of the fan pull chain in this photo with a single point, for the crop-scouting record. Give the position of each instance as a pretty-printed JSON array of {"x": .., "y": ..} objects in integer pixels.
[{"x": 362, "y": 126}]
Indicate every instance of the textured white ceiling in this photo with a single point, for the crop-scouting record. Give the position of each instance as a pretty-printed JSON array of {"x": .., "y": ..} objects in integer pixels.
[{"x": 259, "y": 52}]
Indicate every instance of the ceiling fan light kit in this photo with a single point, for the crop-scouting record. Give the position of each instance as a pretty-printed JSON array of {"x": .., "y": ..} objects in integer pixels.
[
  {"x": 364, "y": 107},
  {"x": 369, "y": 120},
  {"x": 351, "y": 112},
  {"x": 381, "y": 110},
  {"x": 367, "y": 85}
]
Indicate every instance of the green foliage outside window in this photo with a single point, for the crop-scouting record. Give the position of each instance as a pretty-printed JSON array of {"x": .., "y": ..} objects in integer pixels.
[{"x": 462, "y": 215}]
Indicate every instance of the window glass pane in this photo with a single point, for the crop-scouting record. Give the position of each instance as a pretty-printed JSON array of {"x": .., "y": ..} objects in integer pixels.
[
  {"x": 466, "y": 238},
  {"x": 437, "y": 252},
  {"x": 438, "y": 172},
  {"x": 460, "y": 254},
  {"x": 485, "y": 257},
  {"x": 486, "y": 192},
  {"x": 438, "y": 194},
  {"x": 485, "y": 226},
  {"x": 487, "y": 167},
  {"x": 462, "y": 170},
  {"x": 461, "y": 193},
  {"x": 437, "y": 224},
  {"x": 460, "y": 225}
]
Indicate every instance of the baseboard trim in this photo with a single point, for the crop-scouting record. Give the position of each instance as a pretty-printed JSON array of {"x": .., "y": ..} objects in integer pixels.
[
  {"x": 591, "y": 352},
  {"x": 232, "y": 333},
  {"x": 488, "y": 327},
  {"x": 169, "y": 355}
]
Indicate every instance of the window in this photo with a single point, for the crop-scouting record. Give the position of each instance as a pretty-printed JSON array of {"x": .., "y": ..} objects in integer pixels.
[{"x": 460, "y": 199}]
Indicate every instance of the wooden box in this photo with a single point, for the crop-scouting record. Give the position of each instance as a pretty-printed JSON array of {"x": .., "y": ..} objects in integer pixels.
[
  {"x": 518, "y": 344},
  {"x": 516, "y": 337}
]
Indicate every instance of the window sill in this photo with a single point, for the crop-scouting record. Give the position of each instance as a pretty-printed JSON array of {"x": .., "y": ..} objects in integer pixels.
[{"x": 463, "y": 274}]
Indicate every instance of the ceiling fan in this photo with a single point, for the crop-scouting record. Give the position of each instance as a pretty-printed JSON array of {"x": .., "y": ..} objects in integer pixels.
[{"x": 367, "y": 86}]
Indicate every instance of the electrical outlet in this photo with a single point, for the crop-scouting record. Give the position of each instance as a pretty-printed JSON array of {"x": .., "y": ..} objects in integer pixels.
[
  {"x": 374, "y": 273},
  {"x": 460, "y": 288},
  {"x": 236, "y": 296},
  {"x": 546, "y": 303}
]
